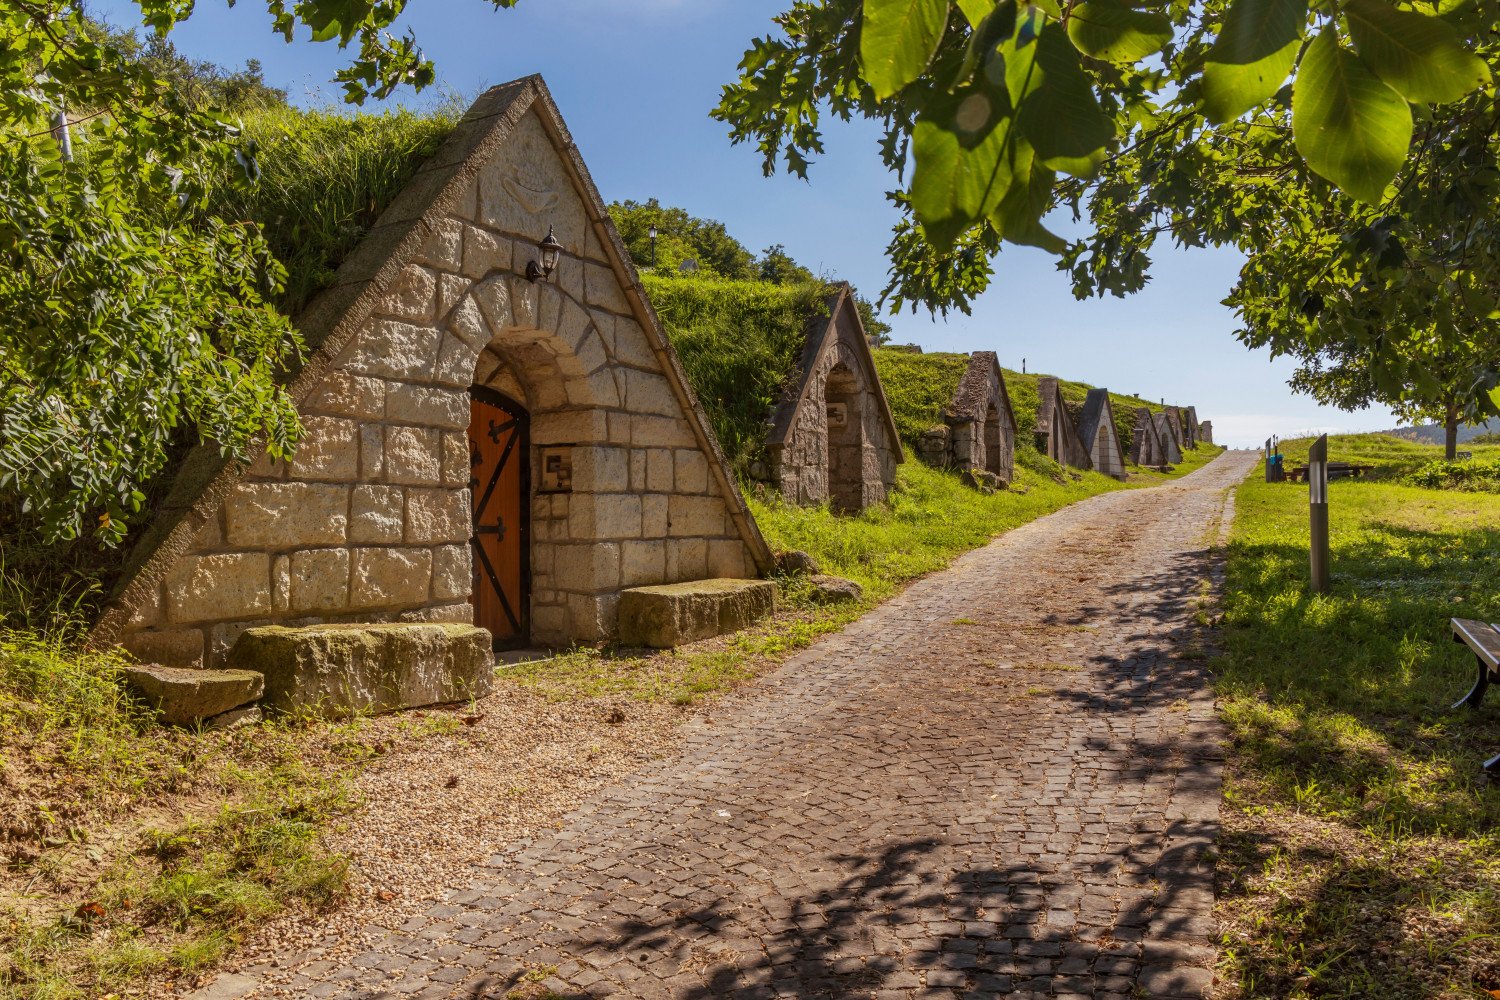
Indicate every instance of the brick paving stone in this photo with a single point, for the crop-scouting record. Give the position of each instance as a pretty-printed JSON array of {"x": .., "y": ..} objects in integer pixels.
[{"x": 1006, "y": 779}]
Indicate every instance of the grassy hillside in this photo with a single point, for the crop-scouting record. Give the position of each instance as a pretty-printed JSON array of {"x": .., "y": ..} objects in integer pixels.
[
  {"x": 739, "y": 342},
  {"x": 1361, "y": 853},
  {"x": 919, "y": 386}
]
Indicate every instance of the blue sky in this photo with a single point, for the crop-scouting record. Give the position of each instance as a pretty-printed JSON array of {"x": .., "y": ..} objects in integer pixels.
[{"x": 635, "y": 80}]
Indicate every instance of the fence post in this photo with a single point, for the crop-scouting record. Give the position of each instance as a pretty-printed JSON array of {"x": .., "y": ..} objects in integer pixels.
[{"x": 1317, "y": 504}]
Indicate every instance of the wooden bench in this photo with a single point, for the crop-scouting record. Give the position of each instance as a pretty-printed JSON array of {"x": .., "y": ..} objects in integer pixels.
[
  {"x": 1336, "y": 470},
  {"x": 1483, "y": 639}
]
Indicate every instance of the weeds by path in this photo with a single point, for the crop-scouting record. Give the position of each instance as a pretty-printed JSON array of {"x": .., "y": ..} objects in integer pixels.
[
  {"x": 1361, "y": 854},
  {"x": 135, "y": 854}
]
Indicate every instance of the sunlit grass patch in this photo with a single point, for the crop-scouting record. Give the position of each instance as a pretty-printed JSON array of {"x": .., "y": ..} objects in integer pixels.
[{"x": 1362, "y": 857}]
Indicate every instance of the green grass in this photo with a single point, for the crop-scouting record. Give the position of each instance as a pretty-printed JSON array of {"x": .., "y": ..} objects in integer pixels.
[
  {"x": 326, "y": 176},
  {"x": 136, "y": 854},
  {"x": 931, "y": 518},
  {"x": 739, "y": 343},
  {"x": 1362, "y": 849}
]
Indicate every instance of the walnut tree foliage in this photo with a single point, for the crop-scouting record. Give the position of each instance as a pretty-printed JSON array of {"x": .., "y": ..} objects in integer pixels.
[
  {"x": 1347, "y": 147},
  {"x": 132, "y": 318}
]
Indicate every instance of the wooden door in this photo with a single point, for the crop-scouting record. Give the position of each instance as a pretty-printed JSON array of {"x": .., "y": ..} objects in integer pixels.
[{"x": 499, "y": 478}]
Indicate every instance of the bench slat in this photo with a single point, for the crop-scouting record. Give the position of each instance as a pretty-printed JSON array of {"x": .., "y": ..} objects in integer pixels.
[{"x": 1479, "y": 636}]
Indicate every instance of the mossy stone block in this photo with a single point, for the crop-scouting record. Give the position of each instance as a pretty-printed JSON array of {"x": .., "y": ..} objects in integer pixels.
[
  {"x": 677, "y": 613},
  {"x": 340, "y": 670}
]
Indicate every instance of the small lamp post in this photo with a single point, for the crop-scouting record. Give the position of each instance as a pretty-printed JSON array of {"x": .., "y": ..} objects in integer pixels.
[
  {"x": 1317, "y": 502},
  {"x": 652, "y": 233}
]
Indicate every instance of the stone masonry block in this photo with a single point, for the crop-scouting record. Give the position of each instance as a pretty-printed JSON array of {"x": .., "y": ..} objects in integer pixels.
[
  {"x": 339, "y": 670},
  {"x": 696, "y": 516},
  {"x": 413, "y": 455},
  {"x": 219, "y": 587},
  {"x": 377, "y": 514},
  {"x": 183, "y": 696},
  {"x": 440, "y": 515},
  {"x": 390, "y": 577},
  {"x": 673, "y": 614},
  {"x": 345, "y": 395},
  {"x": 283, "y": 515},
  {"x": 587, "y": 568},
  {"x": 434, "y": 407},
  {"x": 393, "y": 349},
  {"x": 329, "y": 450},
  {"x": 319, "y": 580}
]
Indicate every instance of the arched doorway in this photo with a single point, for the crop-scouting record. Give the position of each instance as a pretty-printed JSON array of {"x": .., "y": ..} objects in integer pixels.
[
  {"x": 845, "y": 423},
  {"x": 500, "y": 482},
  {"x": 994, "y": 459}
]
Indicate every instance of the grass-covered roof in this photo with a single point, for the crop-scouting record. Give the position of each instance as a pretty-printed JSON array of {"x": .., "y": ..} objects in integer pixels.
[{"x": 740, "y": 343}]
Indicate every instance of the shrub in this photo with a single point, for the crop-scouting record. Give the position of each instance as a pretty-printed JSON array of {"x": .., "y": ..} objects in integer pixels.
[{"x": 1469, "y": 477}]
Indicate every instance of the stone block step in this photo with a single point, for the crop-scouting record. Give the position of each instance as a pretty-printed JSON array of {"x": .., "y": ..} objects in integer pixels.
[
  {"x": 340, "y": 670},
  {"x": 185, "y": 695},
  {"x": 676, "y": 613}
]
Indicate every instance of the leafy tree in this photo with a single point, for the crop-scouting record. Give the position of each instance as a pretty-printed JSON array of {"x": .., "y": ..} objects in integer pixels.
[
  {"x": 986, "y": 104},
  {"x": 1396, "y": 302},
  {"x": 680, "y": 237},
  {"x": 778, "y": 267},
  {"x": 133, "y": 316}
]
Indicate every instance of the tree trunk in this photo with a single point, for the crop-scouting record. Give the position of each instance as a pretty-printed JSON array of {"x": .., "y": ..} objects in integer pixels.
[{"x": 1450, "y": 433}]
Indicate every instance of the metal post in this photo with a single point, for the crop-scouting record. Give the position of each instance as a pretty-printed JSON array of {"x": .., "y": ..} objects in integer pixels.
[
  {"x": 1317, "y": 501},
  {"x": 63, "y": 135}
]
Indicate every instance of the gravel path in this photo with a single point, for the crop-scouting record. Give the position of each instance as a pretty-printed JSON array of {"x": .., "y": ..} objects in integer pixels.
[{"x": 1005, "y": 780}]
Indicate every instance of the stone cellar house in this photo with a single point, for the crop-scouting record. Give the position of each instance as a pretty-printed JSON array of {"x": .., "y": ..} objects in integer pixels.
[
  {"x": 1145, "y": 443},
  {"x": 497, "y": 430},
  {"x": 1190, "y": 426},
  {"x": 1096, "y": 428},
  {"x": 978, "y": 432},
  {"x": 1168, "y": 432},
  {"x": 833, "y": 438},
  {"x": 1056, "y": 437},
  {"x": 1206, "y": 432}
]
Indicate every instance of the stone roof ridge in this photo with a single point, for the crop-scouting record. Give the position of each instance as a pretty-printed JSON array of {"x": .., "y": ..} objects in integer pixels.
[
  {"x": 1096, "y": 407},
  {"x": 1048, "y": 395},
  {"x": 969, "y": 400}
]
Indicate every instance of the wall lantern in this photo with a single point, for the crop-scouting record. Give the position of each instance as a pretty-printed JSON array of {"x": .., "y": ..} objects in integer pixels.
[{"x": 550, "y": 250}]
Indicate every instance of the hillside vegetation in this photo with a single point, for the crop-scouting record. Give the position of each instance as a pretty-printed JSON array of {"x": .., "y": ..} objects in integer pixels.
[
  {"x": 920, "y": 386},
  {"x": 1361, "y": 855}
]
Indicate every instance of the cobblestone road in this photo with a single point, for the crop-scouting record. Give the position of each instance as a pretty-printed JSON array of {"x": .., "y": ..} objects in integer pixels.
[{"x": 1004, "y": 781}]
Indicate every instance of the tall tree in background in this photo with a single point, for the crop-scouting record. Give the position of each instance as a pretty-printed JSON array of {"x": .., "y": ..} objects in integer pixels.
[{"x": 1395, "y": 302}]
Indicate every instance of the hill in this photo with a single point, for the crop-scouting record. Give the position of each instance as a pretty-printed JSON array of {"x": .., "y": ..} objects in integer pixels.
[
  {"x": 920, "y": 385},
  {"x": 1433, "y": 433}
]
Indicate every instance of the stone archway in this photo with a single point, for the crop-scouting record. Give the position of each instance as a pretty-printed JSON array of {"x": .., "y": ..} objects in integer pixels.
[
  {"x": 844, "y": 409},
  {"x": 994, "y": 458}
]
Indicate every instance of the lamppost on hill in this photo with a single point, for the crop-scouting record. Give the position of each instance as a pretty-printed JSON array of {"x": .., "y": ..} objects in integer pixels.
[{"x": 652, "y": 233}]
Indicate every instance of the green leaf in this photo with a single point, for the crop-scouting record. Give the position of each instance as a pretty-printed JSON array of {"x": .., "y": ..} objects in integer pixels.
[
  {"x": 1420, "y": 56},
  {"x": 1350, "y": 126},
  {"x": 897, "y": 40},
  {"x": 1018, "y": 217},
  {"x": 961, "y": 168},
  {"x": 976, "y": 10},
  {"x": 1109, "y": 30},
  {"x": 1252, "y": 56},
  {"x": 1056, "y": 109}
]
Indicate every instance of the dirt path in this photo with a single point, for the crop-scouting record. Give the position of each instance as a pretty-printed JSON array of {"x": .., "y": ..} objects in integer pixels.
[{"x": 1005, "y": 779}]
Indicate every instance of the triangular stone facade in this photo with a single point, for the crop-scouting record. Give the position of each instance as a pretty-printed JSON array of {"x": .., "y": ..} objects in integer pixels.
[
  {"x": 1145, "y": 442},
  {"x": 1168, "y": 430},
  {"x": 833, "y": 438},
  {"x": 1096, "y": 427},
  {"x": 978, "y": 432},
  {"x": 1056, "y": 437},
  {"x": 1206, "y": 432},
  {"x": 433, "y": 323}
]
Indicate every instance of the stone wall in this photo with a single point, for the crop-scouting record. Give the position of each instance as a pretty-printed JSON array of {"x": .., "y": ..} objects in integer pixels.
[
  {"x": 978, "y": 431},
  {"x": 832, "y": 439},
  {"x": 1056, "y": 433},
  {"x": 371, "y": 520},
  {"x": 1145, "y": 444},
  {"x": 1206, "y": 431}
]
